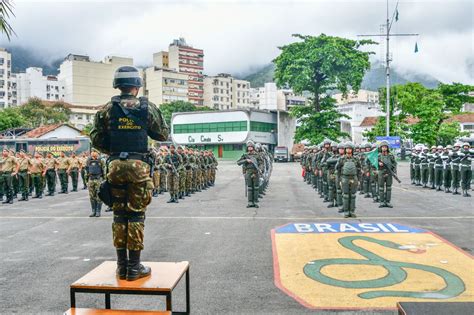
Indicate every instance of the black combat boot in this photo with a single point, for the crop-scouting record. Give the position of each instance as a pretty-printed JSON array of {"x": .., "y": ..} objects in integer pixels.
[
  {"x": 187, "y": 194},
  {"x": 23, "y": 198},
  {"x": 155, "y": 193},
  {"x": 180, "y": 195},
  {"x": 98, "y": 209},
  {"x": 93, "y": 207},
  {"x": 135, "y": 270},
  {"x": 122, "y": 263}
]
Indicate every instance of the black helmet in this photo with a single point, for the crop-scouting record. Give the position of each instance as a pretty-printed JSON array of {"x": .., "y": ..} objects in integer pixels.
[{"x": 127, "y": 76}]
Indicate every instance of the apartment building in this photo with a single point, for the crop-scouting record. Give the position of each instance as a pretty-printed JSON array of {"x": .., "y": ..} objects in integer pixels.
[
  {"x": 89, "y": 82},
  {"x": 357, "y": 106},
  {"x": 6, "y": 88},
  {"x": 164, "y": 85},
  {"x": 189, "y": 60},
  {"x": 269, "y": 97},
  {"x": 32, "y": 83},
  {"x": 224, "y": 92}
]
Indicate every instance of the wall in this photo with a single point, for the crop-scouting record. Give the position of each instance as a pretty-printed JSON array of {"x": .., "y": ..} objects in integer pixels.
[
  {"x": 62, "y": 132},
  {"x": 286, "y": 130}
]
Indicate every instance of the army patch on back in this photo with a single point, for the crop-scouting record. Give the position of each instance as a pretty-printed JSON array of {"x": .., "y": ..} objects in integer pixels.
[{"x": 368, "y": 265}]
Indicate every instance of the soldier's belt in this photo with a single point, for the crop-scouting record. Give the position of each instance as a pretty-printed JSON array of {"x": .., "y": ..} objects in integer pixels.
[
  {"x": 464, "y": 165},
  {"x": 22, "y": 171},
  {"x": 128, "y": 156},
  {"x": 5, "y": 173}
]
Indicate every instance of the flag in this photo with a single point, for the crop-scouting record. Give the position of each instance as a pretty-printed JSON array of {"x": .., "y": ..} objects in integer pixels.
[
  {"x": 416, "y": 47},
  {"x": 396, "y": 15},
  {"x": 373, "y": 157}
]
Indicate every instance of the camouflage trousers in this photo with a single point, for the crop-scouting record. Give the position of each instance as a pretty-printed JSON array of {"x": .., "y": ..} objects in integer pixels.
[
  {"x": 156, "y": 179},
  {"x": 163, "y": 177},
  {"x": 51, "y": 180},
  {"x": 130, "y": 206},
  {"x": 74, "y": 178},
  {"x": 182, "y": 180},
  {"x": 94, "y": 185},
  {"x": 6, "y": 184},
  {"x": 173, "y": 183},
  {"x": 213, "y": 175},
  {"x": 189, "y": 179},
  {"x": 194, "y": 180}
]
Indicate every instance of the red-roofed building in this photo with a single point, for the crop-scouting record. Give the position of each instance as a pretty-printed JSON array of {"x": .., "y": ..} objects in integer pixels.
[{"x": 53, "y": 131}]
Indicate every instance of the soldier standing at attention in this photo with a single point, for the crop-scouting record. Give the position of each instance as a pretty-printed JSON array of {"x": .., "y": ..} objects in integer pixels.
[
  {"x": 341, "y": 151},
  {"x": 15, "y": 179},
  {"x": 173, "y": 161},
  {"x": 455, "y": 159},
  {"x": 49, "y": 173},
  {"x": 431, "y": 166},
  {"x": 8, "y": 165},
  {"x": 386, "y": 163},
  {"x": 74, "y": 169},
  {"x": 251, "y": 167},
  {"x": 438, "y": 168},
  {"x": 348, "y": 167},
  {"x": 424, "y": 167},
  {"x": 331, "y": 167},
  {"x": 417, "y": 164},
  {"x": 182, "y": 173},
  {"x": 36, "y": 170},
  {"x": 24, "y": 164},
  {"x": 121, "y": 129},
  {"x": 447, "y": 176},
  {"x": 465, "y": 169},
  {"x": 82, "y": 165},
  {"x": 63, "y": 166},
  {"x": 94, "y": 168}
]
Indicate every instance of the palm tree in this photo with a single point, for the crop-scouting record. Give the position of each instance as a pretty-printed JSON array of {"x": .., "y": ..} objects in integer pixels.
[{"x": 6, "y": 9}]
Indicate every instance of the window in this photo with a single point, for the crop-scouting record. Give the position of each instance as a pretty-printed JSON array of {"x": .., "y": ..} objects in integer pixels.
[
  {"x": 262, "y": 126},
  {"x": 468, "y": 127},
  {"x": 211, "y": 127}
]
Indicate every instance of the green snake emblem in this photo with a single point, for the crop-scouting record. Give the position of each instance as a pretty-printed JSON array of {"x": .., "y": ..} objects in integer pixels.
[{"x": 396, "y": 274}]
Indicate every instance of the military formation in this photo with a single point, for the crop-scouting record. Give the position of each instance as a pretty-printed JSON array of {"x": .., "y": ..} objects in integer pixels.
[
  {"x": 182, "y": 171},
  {"x": 257, "y": 166},
  {"x": 441, "y": 168},
  {"x": 337, "y": 171},
  {"x": 36, "y": 175}
]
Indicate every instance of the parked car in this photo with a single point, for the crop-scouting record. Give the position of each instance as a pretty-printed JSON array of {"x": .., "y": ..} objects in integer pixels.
[{"x": 281, "y": 154}]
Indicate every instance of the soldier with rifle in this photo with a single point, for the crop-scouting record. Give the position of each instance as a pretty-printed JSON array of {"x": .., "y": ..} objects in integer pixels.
[{"x": 251, "y": 165}]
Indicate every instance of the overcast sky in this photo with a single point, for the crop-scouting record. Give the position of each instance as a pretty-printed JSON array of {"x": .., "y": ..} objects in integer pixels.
[{"x": 239, "y": 35}]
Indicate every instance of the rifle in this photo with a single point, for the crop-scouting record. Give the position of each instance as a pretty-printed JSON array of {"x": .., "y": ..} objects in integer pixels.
[{"x": 389, "y": 168}]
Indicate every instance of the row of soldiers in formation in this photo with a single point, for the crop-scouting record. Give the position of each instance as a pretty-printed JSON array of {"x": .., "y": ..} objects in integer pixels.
[
  {"x": 24, "y": 173},
  {"x": 257, "y": 165},
  {"x": 438, "y": 166},
  {"x": 182, "y": 171},
  {"x": 338, "y": 170}
]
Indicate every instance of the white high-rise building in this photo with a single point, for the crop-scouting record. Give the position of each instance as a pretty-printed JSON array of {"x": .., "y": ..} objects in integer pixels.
[
  {"x": 32, "y": 83},
  {"x": 271, "y": 98},
  {"x": 89, "y": 82},
  {"x": 164, "y": 85},
  {"x": 6, "y": 87},
  {"x": 225, "y": 92},
  {"x": 357, "y": 106}
]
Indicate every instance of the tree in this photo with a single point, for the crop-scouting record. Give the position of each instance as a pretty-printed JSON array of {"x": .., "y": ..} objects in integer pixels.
[
  {"x": 427, "y": 108},
  {"x": 448, "y": 132},
  {"x": 168, "y": 109},
  {"x": 87, "y": 129},
  {"x": 318, "y": 65},
  {"x": 37, "y": 114},
  {"x": 6, "y": 10},
  {"x": 11, "y": 118}
]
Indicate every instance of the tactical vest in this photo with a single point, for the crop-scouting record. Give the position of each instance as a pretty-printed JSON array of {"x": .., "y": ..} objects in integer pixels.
[
  {"x": 173, "y": 159},
  {"x": 128, "y": 127},
  {"x": 349, "y": 168},
  {"x": 94, "y": 168}
]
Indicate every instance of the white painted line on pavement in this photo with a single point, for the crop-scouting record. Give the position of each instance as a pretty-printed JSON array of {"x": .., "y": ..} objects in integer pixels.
[{"x": 248, "y": 218}]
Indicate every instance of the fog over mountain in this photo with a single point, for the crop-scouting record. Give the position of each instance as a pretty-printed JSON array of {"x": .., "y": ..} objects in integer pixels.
[{"x": 242, "y": 36}]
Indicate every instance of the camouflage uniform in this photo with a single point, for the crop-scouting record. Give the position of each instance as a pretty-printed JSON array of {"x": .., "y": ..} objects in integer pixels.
[
  {"x": 24, "y": 180},
  {"x": 130, "y": 204},
  {"x": 50, "y": 174},
  {"x": 8, "y": 165},
  {"x": 348, "y": 167},
  {"x": 37, "y": 170},
  {"x": 252, "y": 171},
  {"x": 173, "y": 161},
  {"x": 63, "y": 165},
  {"x": 74, "y": 169},
  {"x": 95, "y": 170}
]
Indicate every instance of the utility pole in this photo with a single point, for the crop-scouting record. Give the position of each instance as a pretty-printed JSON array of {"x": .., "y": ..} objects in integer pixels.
[{"x": 388, "y": 27}]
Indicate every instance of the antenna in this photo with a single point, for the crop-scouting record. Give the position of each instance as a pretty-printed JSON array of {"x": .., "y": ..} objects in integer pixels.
[{"x": 387, "y": 28}]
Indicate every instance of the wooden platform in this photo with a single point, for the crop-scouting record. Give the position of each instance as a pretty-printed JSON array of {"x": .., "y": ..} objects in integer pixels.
[
  {"x": 162, "y": 281},
  {"x": 435, "y": 308},
  {"x": 164, "y": 277},
  {"x": 93, "y": 311}
]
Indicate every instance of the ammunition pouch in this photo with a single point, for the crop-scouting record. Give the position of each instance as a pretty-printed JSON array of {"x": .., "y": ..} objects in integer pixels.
[{"x": 105, "y": 193}]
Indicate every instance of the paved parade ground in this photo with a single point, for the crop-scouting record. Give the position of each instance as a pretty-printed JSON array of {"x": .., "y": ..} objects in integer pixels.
[{"x": 250, "y": 261}]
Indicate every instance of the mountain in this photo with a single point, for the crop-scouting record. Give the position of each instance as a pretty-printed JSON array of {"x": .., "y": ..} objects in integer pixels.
[
  {"x": 373, "y": 80},
  {"x": 23, "y": 58}
]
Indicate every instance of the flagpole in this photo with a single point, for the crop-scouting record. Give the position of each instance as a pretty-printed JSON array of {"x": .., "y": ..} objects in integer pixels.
[
  {"x": 387, "y": 35},
  {"x": 387, "y": 71}
]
